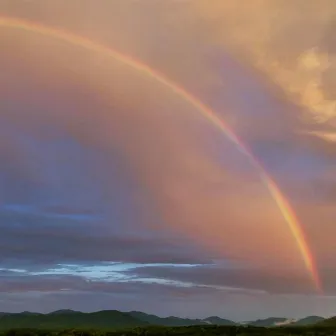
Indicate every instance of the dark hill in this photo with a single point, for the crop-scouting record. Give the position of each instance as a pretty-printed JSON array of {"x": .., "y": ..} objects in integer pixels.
[
  {"x": 111, "y": 319},
  {"x": 63, "y": 311},
  {"x": 170, "y": 321},
  {"x": 173, "y": 321},
  {"x": 309, "y": 320},
  {"x": 268, "y": 322},
  {"x": 218, "y": 321},
  {"x": 329, "y": 322},
  {"x": 106, "y": 319}
]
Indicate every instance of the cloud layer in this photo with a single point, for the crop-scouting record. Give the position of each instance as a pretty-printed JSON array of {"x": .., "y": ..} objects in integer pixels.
[{"x": 114, "y": 189}]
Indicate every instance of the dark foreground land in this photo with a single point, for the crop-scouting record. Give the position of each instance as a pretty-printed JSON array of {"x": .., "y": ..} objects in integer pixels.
[{"x": 180, "y": 331}]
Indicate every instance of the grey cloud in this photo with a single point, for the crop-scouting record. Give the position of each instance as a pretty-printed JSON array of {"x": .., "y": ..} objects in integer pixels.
[
  {"x": 185, "y": 302},
  {"x": 274, "y": 281},
  {"x": 324, "y": 190},
  {"x": 30, "y": 240},
  {"x": 28, "y": 283},
  {"x": 73, "y": 96},
  {"x": 72, "y": 283}
]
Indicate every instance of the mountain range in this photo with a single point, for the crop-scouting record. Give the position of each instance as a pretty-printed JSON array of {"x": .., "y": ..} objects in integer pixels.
[
  {"x": 108, "y": 319},
  {"x": 283, "y": 321}
]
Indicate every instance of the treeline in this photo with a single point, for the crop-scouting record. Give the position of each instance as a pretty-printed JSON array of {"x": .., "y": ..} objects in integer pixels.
[{"x": 181, "y": 331}]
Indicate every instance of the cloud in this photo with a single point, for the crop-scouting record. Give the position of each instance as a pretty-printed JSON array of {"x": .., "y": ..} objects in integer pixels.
[
  {"x": 101, "y": 164},
  {"x": 178, "y": 179},
  {"x": 241, "y": 279},
  {"x": 47, "y": 293},
  {"x": 35, "y": 241},
  {"x": 327, "y": 136},
  {"x": 276, "y": 281},
  {"x": 279, "y": 50}
]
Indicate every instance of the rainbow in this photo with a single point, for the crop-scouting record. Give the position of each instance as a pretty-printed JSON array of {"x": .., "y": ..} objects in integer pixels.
[{"x": 283, "y": 205}]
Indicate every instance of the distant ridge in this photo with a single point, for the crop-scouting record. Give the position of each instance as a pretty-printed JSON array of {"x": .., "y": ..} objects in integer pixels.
[
  {"x": 218, "y": 321},
  {"x": 28, "y": 313},
  {"x": 284, "y": 321},
  {"x": 173, "y": 321},
  {"x": 64, "y": 319},
  {"x": 329, "y": 322},
  {"x": 309, "y": 320},
  {"x": 64, "y": 311},
  {"x": 268, "y": 322},
  {"x": 111, "y": 319}
]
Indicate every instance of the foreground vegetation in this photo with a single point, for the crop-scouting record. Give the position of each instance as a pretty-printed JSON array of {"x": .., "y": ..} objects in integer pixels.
[{"x": 181, "y": 331}]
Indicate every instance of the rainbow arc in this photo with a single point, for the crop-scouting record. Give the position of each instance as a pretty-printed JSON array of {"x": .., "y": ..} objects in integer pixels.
[{"x": 283, "y": 205}]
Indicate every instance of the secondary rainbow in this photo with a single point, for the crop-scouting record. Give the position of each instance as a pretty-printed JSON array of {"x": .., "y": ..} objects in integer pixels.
[{"x": 283, "y": 205}]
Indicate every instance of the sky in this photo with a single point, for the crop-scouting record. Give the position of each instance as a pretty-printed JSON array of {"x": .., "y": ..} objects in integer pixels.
[{"x": 117, "y": 193}]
